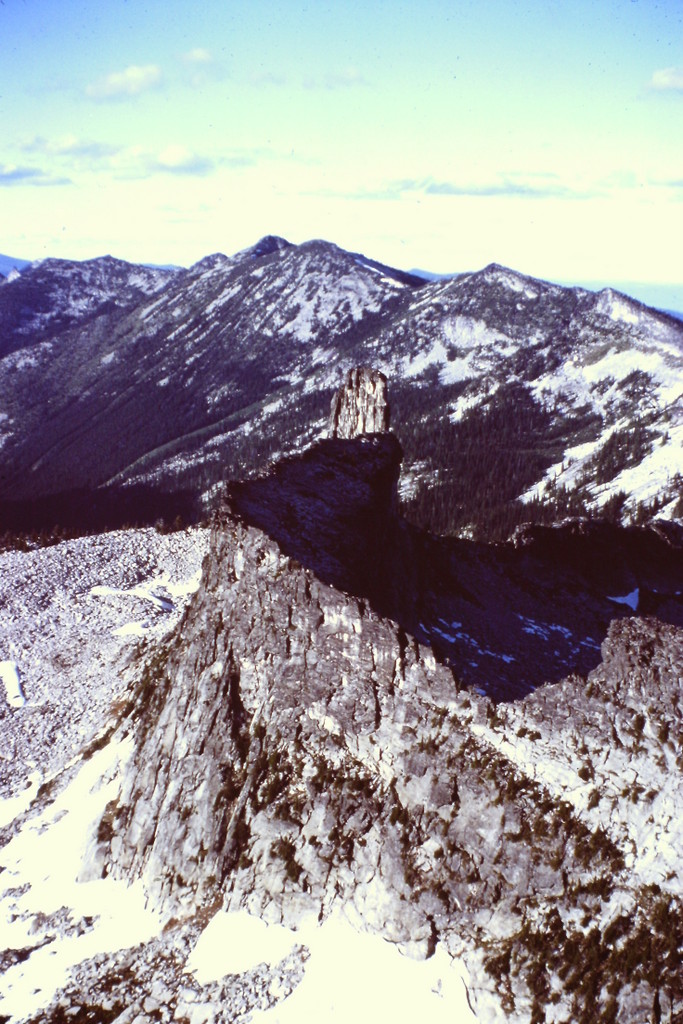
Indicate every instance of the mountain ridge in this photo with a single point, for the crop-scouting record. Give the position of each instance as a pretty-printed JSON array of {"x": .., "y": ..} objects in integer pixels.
[
  {"x": 289, "y": 738},
  {"x": 288, "y": 751},
  {"x": 215, "y": 369}
]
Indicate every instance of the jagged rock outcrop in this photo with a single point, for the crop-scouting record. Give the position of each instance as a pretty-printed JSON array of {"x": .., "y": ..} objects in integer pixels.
[
  {"x": 298, "y": 751},
  {"x": 361, "y": 405}
]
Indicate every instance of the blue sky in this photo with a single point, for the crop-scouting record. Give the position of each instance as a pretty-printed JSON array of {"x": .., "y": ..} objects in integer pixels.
[{"x": 547, "y": 136}]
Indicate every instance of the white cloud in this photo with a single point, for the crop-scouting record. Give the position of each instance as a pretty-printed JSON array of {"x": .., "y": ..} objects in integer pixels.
[
  {"x": 13, "y": 175},
  {"x": 198, "y": 55},
  {"x": 178, "y": 159},
  {"x": 667, "y": 80},
  {"x": 122, "y": 162},
  {"x": 201, "y": 68},
  {"x": 131, "y": 81}
]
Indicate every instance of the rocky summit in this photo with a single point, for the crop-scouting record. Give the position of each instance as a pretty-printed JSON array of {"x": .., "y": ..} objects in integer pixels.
[{"x": 469, "y": 754}]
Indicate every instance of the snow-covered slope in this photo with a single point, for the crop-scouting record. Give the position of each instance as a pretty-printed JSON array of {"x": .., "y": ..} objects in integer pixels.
[
  {"x": 71, "y": 616},
  {"x": 601, "y": 359},
  {"x": 51, "y": 296}
]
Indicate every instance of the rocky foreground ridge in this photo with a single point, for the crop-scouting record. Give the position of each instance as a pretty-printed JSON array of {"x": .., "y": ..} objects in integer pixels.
[{"x": 297, "y": 748}]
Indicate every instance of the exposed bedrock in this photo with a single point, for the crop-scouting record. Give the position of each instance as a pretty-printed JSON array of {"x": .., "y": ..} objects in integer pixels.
[
  {"x": 361, "y": 405},
  {"x": 298, "y": 749}
]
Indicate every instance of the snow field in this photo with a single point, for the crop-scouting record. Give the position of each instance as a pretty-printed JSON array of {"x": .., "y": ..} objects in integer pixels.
[
  {"x": 379, "y": 983},
  {"x": 9, "y": 673},
  {"x": 42, "y": 866}
]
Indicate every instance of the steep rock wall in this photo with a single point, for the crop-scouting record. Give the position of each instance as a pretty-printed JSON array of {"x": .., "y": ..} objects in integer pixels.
[
  {"x": 361, "y": 405},
  {"x": 297, "y": 751}
]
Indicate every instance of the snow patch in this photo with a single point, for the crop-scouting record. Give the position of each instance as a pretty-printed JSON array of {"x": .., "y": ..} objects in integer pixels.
[
  {"x": 653, "y": 474},
  {"x": 619, "y": 363},
  {"x": 631, "y": 599},
  {"x": 161, "y": 592},
  {"x": 40, "y": 877},
  {"x": 463, "y": 405},
  {"x": 544, "y": 630},
  {"x": 450, "y": 632},
  {"x": 233, "y": 943},
  {"x": 437, "y": 354},
  {"x": 24, "y": 358},
  {"x": 9, "y": 673},
  {"x": 618, "y": 307},
  {"x": 130, "y": 629},
  {"x": 467, "y": 332},
  {"x": 383, "y": 984}
]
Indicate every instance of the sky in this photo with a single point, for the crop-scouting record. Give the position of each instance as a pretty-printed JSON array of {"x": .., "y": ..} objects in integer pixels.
[{"x": 546, "y": 135}]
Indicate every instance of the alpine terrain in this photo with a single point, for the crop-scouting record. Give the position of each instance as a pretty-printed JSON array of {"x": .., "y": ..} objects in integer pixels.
[
  {"x": 515, "y": 400},
  {"x": 341, "y": 646}
]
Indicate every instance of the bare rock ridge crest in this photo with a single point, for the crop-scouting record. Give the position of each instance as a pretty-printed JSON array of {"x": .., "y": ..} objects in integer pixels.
[
  {"x": 468, "y": 749},
  {"x": 299, "y": 749}
]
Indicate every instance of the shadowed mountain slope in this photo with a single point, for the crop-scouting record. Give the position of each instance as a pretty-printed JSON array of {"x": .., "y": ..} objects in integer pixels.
[{"x": 506, "y": 618}]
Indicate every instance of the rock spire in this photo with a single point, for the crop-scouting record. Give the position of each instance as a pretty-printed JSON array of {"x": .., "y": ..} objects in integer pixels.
[{"x": 361, "y": 405}]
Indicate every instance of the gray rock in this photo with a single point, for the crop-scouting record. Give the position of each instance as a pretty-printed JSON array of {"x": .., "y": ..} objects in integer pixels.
[
  {"x": 298, "y": 751},
  {"x": 361, "y": 405}
]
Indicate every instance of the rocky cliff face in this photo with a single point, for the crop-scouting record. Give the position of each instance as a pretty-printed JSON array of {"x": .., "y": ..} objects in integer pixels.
[
  {"x": 361, "y": 405},
  {"x": 297, "y": 750}
]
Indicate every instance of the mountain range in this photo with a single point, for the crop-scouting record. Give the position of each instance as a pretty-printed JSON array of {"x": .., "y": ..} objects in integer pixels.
[{"x": 130, "y": 393}]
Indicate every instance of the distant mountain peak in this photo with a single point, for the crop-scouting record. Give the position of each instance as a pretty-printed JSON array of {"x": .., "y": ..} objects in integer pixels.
[
  {"x": 265, "y": 246},
  {"x": 505, "y": 275},
  {"x": 216, "y": 259},
  {"x": 618, "y": 306},
  {"x": 321, "y": 245},
  {"x": 270, "y": 243},
  {"x": 495, "y": 268}
]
